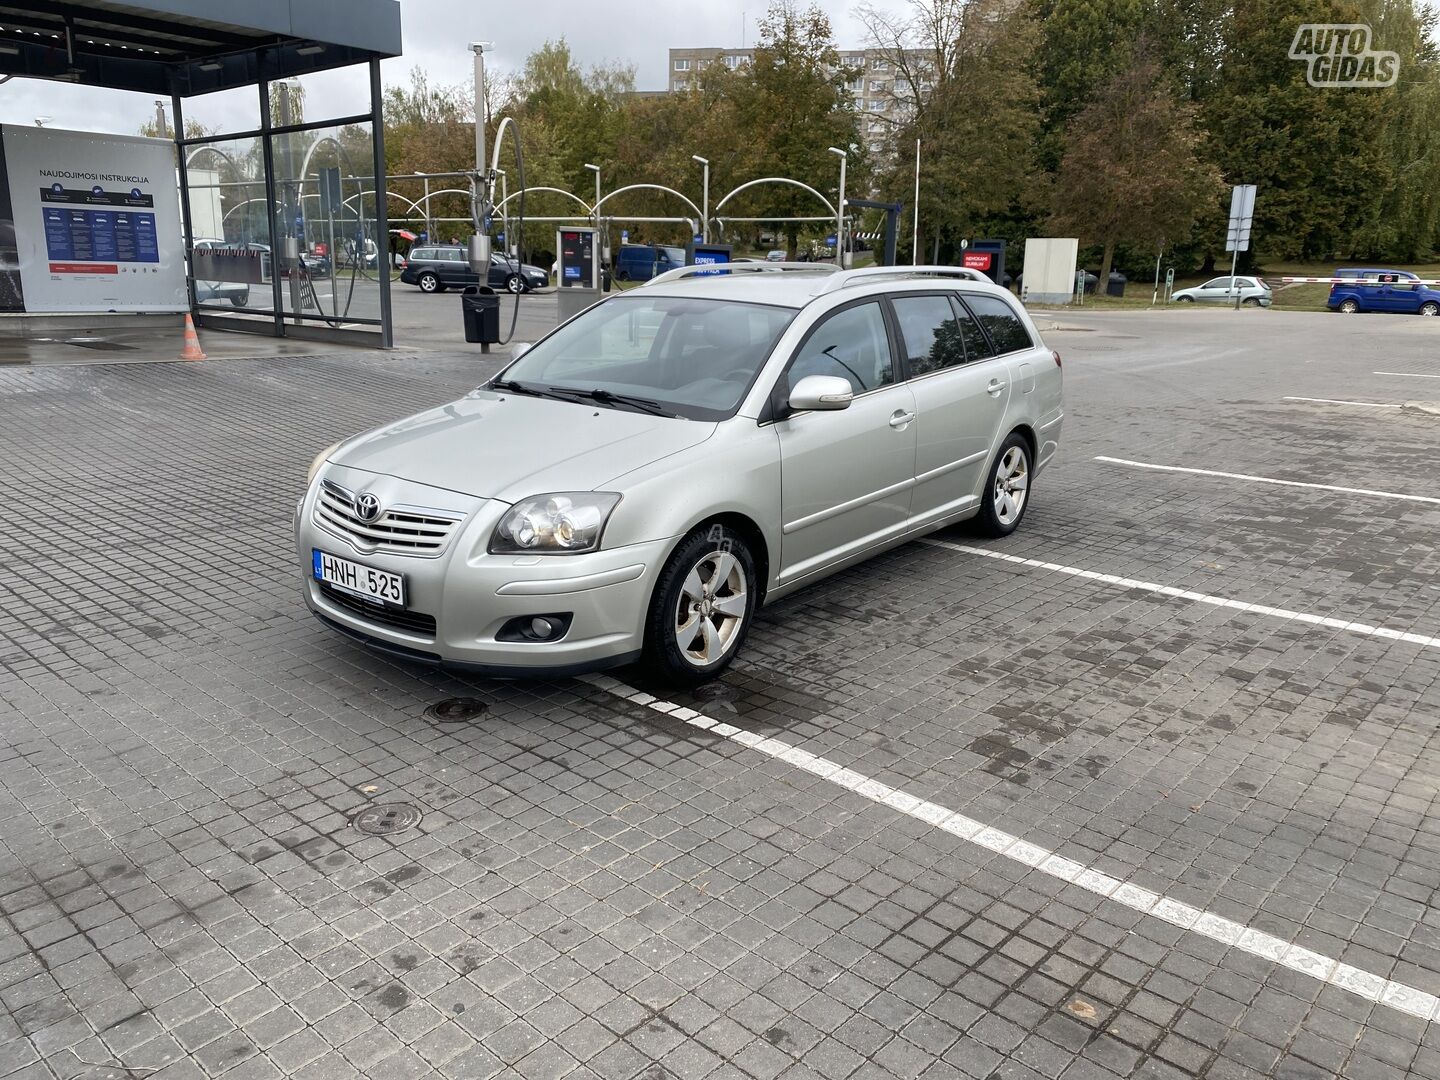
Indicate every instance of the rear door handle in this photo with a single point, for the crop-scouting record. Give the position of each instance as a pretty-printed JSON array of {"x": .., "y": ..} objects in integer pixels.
[
  {"x": 900, "y": 419},
  {"x": 995, "y": 387}
]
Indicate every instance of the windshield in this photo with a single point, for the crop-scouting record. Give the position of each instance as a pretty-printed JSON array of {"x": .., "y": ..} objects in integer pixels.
[{"x": 694, "y": 358}]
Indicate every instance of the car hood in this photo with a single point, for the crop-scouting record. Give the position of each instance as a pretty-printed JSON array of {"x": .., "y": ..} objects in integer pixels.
[{"x": 507, "y": 446}]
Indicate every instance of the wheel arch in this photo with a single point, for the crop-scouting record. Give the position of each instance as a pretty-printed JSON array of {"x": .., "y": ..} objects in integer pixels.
[{"x": 754, "y": 536}]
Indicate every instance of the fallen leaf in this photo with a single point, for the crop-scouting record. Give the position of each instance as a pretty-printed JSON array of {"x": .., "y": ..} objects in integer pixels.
[{"x": 1083, "y": 1009}]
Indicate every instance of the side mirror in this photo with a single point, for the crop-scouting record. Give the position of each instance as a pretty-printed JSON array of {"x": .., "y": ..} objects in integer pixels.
[
  {"x": 519, "y": 349},
  {"x": 821, "y": 393}
]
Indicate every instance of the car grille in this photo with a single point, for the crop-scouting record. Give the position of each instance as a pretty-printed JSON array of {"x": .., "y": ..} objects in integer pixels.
[
  {"x": 400, "y": 530},
  {"x": 409, "y": 622}
]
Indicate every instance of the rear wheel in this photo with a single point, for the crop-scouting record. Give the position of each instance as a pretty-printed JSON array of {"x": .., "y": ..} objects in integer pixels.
[
  {"x": 1007, "y": 491},
  {"x": 428, "y": 283},
  {"x": 701, "y": 607},
  {"x": 1252, "y": 301},
  {"x": 1349, "y": 307},
  {"x": 1430, "y": 307}
]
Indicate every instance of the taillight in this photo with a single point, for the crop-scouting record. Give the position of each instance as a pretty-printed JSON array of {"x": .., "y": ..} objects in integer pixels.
[
  {"x": 403, "y": 264},
  {"x": 1055, "y": 355}
]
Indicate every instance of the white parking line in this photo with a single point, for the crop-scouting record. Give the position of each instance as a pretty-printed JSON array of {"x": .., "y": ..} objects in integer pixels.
[
  {"x": 1334, "y": 401},
  {"x": 1425, "y": 640},
  {"x": 1406, "y": 999},
  {"x": 1268, "y": 480},
  {"x": 1406, "y": 374}
]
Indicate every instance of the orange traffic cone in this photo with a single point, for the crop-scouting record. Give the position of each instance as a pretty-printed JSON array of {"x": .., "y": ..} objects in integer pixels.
[{"x": 192, "y": 350}]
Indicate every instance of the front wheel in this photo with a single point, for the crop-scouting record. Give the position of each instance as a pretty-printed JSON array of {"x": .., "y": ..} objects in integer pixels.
[
  {"x": 515, "y": 283},
  {"x": 1349, "y": 307},
  {"x": 1007, "y": 490},
  {"x": 701, "y": 607},
  {"x": 1184, "y": 299},
  {"x": 1430, "y": 307}
]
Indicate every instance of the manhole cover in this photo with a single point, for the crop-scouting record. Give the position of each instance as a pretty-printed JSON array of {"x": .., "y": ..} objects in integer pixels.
[
  {"x": 386, "y": 818},
  {"x": 455, "y": 710}
]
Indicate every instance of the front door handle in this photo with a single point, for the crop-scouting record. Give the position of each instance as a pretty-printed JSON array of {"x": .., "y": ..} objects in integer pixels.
[
  {"x": 995, "y": 387},
  {"x": 900, "y": 418}
]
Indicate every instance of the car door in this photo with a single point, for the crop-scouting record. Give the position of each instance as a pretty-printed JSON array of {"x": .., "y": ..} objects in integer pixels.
[
  {"x": 961, "y": 391},
  {"x": 846, "y": 474},
  {"x": 1215, "y": 291},
  {"x": 1401, "y": 296}
]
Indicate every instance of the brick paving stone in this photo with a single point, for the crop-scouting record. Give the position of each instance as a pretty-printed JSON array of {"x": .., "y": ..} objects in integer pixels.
[{"x": 598, "y": 891}]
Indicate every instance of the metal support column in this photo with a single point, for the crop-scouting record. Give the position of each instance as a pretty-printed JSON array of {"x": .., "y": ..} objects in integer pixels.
[
  {"x": 267, "y": 157},
  {"x": 382, "y": 213},
  {"x": 184, "y": 173}
]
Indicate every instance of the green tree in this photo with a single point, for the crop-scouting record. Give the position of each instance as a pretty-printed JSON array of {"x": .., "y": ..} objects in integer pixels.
[
  {"x": 792, "y": 102},
  {"x": 1131, "y": 171}
]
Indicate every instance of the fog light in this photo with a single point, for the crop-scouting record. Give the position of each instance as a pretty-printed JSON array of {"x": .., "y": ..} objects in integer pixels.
[{"x": 548, "y": 627}]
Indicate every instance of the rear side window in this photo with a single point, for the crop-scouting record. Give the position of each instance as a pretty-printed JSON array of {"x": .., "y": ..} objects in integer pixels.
[
  {"x": 998, "y": 318},
  {"x": 929, "y": 332}
]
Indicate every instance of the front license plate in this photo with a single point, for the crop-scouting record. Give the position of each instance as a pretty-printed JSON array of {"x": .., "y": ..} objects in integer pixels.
[{"x": 379, "y": 585}]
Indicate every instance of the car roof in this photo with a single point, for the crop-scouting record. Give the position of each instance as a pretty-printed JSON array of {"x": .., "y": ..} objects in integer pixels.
[
  {"x": 799, "y": 289},
  {"x": 1347, "y": 271}
]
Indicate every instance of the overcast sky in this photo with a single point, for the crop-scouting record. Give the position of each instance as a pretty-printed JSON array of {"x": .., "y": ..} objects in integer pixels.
[{"x": 435, "y": 34}]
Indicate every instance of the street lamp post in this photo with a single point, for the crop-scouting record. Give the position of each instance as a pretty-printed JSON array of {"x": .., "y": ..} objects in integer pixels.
[
  {"x": 840, "y": 210},
  {"x": 595, "y": 210},
  {"x": 704, "y": 199},
  {"x": 479, "y": 250}
]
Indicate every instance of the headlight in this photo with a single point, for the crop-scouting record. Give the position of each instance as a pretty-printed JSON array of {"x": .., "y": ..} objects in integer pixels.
[
  {"x": 320, "y": 460},
  {"x": 562, "y": 523}
]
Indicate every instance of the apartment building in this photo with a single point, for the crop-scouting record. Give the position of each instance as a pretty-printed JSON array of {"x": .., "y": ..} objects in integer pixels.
[{"x": 881, "y": 93}]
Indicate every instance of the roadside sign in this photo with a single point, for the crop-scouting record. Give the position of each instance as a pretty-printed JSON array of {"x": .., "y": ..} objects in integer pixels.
[
  {"x": 330, "y": 197},
  {"x": 624, "y": 236},
  {"x": 976, "y": 260},
  {"x": 1242, "y": 213}
]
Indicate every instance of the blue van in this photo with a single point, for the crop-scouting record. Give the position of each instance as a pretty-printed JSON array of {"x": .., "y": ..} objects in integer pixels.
[
  {"x": 1382, "y": 290},
  {"x": 641, "y": 262}
]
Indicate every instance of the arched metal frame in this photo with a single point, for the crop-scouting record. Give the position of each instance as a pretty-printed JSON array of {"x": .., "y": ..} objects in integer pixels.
[
  {"x": 652, "y": 187},
  {"x": 775, "y": 180}
]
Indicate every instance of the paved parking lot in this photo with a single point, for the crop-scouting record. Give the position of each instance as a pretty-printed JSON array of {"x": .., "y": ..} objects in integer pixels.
[{"x": 1145, "y": 790}]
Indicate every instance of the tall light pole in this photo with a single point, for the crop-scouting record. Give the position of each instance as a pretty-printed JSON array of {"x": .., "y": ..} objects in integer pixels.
[
  {"x": 704, "y": 199},
  {"x": 915, "y": 226},
  {"x": 840, "y": 210},
  {"x": 595, "y": 210},
  {"x": 479, "y": 253}
]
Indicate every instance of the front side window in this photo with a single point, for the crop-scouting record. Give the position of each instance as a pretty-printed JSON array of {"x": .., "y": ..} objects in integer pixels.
[
  {"x": 1217, "y": 283},
  {"x": 1007, "y": 332},
  {"x": 692, "y": 357},
  {"x": 851, "y": 344}
]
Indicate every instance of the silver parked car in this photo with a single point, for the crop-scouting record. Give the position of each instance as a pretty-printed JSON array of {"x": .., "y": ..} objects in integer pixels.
[
  {"x": 1254, "y": 292},
  {"x": 643, "y": 478}
]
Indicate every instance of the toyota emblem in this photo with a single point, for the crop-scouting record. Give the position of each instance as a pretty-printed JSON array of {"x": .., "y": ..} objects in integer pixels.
[{"x": 367, "y": 507}]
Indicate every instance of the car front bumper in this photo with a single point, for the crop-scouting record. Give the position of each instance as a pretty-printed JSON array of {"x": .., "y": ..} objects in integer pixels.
[{"x": 471, "y": 594}]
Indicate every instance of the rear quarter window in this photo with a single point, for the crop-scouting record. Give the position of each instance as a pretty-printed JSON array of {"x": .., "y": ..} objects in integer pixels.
[{"x": 1001, "y": 322}]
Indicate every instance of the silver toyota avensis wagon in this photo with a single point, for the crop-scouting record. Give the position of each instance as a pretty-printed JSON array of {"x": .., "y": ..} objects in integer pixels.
[{"x": 639, "y": 481}]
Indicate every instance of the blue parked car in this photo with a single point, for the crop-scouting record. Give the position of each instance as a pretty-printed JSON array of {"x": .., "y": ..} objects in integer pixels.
[
  {"x": 641, "y": 262},
  {"x": 1382, "y": 290}
]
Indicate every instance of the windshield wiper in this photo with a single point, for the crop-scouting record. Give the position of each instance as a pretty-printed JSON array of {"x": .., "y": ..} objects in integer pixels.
[
  {"x": 521, "y": 388},
  {"x": 607, "y": 397}
]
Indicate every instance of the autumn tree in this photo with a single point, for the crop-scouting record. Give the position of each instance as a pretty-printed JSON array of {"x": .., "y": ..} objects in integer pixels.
[
  {"x": 792, "y": 102},
  {"x": 1131, "y": 171}
]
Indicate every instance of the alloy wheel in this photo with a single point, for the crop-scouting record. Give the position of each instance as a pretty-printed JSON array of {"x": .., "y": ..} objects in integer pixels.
[
  {"x": 711, "y": 609},
  {"x": 1012, "y": 483}
]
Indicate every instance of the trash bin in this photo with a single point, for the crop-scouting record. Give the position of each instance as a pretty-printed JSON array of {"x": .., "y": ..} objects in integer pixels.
[
  {"x": 1116, "y": 285},
  {"x": 480, "y": 305}
]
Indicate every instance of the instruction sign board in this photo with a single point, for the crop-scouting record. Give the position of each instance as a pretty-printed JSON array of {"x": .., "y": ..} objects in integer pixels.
[
  {"x": 698, "y": 253},
  {"x": 88, "y": 223},
  {"x": 1242, "y": 216}
]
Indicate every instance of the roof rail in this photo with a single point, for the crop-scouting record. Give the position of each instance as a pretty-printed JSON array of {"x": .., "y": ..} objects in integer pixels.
[
  {"x": 740, "y": 267},
  {"x": 859, "y": 277}
]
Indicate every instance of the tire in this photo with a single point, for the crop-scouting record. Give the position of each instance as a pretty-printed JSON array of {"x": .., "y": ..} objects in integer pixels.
[
  {"x": 1184, "y": 299},
  {"x": 515, "y": 284},
  {"x": 240, "y": 300},
  {"x": 1252, "y": 301},
  {"x": 677, "y": 647},
  {"x": 1007, "y": 488},
  {"x": 1349, "y": 307},
  {"x": 428, "y": 283},
  {"x": 1430, "y": 307},
  {"x": 622, "y": 275}
]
